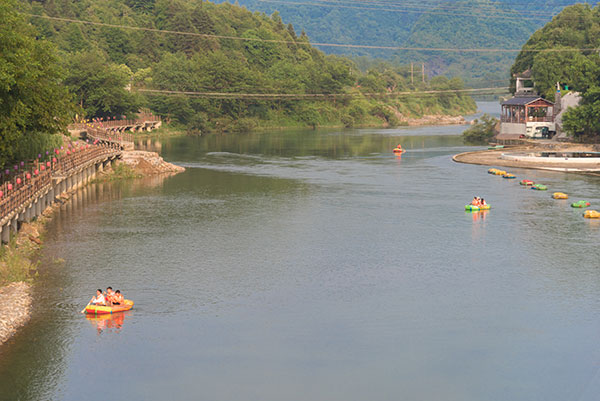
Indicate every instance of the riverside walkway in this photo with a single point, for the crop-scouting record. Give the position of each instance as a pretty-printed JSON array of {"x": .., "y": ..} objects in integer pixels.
[{"x": 29, "y": 189}]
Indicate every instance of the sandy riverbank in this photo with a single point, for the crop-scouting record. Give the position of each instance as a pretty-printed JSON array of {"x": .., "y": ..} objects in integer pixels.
[{"x": 493, "y": 158}]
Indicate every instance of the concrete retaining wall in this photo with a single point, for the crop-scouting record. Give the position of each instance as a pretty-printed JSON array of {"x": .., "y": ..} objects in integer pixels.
[{"x": 49, "y": 194}]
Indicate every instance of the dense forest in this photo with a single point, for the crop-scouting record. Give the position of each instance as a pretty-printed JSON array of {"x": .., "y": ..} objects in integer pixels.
[
  {"x": 566, "y": 51},
  {"x": 34, "y": 105},
  {"x": 97, "y": 56},
  {"x": 434, "y": 23}
]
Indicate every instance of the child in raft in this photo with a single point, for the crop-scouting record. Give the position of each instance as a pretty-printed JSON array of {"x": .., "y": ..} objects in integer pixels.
[
  {"x": 113, "y": 297},
  {"x": 98, "y": 299},
  {"x": 118, "y": 298},
  {"x": 109, "y": 295},
  {"x": 477, "y": 201}
]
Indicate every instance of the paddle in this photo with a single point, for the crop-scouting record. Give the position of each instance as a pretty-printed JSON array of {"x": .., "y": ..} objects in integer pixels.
[{"x": 83, "y": 310}]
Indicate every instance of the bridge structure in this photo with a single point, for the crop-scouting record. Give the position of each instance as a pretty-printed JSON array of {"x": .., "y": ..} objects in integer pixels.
[{"x": 27, "y": 191}]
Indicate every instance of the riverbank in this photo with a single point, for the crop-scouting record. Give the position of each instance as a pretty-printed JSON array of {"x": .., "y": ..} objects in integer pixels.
[
  {"x": 15, "y": 303},
  {"x": 493, "y": 157},
  {"x": 18, "y": 264},
  {"x": 167, "y": 130},
  {"x": 18, "y": 260}
]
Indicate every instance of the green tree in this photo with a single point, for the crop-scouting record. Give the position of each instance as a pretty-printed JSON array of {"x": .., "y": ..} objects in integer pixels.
[
  {"x": 583, "y": 122},
  {"x": 100, "y": 87},
  {"x": 34, "y": 105},
  {"x": 482, "y": 130}
]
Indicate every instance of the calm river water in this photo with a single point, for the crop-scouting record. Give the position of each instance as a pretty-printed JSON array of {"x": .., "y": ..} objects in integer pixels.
[{"x": 315, "y": 265}]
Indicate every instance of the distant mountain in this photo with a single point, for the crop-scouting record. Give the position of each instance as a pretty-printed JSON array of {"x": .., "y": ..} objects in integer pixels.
[
  {"x": 487, "y": 26},
  {"x": 434, "y": 23}
]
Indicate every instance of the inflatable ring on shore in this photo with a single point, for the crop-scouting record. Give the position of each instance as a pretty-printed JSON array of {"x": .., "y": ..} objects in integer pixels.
[
  {"x": 580, "y": 204},
  {"x": 591, "y": 214},
  {"x": 527, "y": 183},
  {"x": 560, "y": 195},
  {"x": 509, "y": 176},
  {"x": 539, "y": 187}
]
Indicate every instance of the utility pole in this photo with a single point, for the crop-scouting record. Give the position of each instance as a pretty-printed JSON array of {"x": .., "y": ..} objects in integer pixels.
[
  {"x": 423, "y": 71},
  {"x": 412, "y": 77}
]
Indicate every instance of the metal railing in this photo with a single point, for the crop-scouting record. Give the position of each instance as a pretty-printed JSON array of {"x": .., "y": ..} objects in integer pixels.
[
  {"x": 111, "y": 136},
  {"x": 22, "y": 187},
  {"x": 522, "y": 120},
  {"x": 108, "y": 123}
]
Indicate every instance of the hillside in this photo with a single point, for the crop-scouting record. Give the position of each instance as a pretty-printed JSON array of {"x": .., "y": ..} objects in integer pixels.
[
  {"x": 435, "y": 23},
  {"x": 480, "y": 31},
  {"x": 272, "y": 58},
  {"x": 565, "y": 51},
  {"x": 576, "y": 27}
]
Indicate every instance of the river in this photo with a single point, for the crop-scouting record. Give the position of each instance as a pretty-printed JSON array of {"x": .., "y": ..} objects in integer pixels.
[{"x": 316, "y": 265}]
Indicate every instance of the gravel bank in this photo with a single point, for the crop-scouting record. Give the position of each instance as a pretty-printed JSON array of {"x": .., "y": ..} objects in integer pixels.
[
  {"x": 148, "y": 163},
  {"x": 15, "y": 305}
]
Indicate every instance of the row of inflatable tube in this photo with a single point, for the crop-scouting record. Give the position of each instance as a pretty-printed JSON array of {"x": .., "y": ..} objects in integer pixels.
[{"x": 589, "y": 214}]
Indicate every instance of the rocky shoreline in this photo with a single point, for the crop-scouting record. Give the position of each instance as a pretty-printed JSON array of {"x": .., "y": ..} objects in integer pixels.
[
  {"x": 15, "y": 304},
  {"x": 147, "y": 163},
  {"x": 435, "y": 120}
]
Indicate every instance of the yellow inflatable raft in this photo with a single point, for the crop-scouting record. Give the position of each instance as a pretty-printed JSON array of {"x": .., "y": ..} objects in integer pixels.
[
  {"x": 98, "y": 310},
  {"x": 560, "y": 195},
  {"x": 591, "y": 214}
]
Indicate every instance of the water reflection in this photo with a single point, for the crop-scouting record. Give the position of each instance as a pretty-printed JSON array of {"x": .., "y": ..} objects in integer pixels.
[
  {"x": 149, "y": 144},
  {"x": 322, "y": 275},
  {"x": 109, "y": 323}
]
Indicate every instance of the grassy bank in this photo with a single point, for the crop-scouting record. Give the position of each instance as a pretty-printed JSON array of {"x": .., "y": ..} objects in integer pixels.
[
  {"x": 18, "y": 258},
  {"x": 120, "y": 172}
]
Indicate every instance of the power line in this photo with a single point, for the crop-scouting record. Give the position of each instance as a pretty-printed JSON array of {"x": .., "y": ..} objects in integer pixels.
[
  {"x": 318, "y": 44},
  {"x": 299, "y": 96},
  {"x": 506, "y": 16},
  {"x": 424, "y": 6}
]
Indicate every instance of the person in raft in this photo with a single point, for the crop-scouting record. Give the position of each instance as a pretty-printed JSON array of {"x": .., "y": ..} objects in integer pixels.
[
  {"x": 475, "y": 201},
  {"x": 98, "y": 299},
  {"x": 118, "y": 298},
  {"x": 109, "y": 295},
  {"x": 483, "y": 202}
]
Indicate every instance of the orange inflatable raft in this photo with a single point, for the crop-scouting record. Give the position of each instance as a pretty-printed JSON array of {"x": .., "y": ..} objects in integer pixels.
[{"x": 100, "y": 310}]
